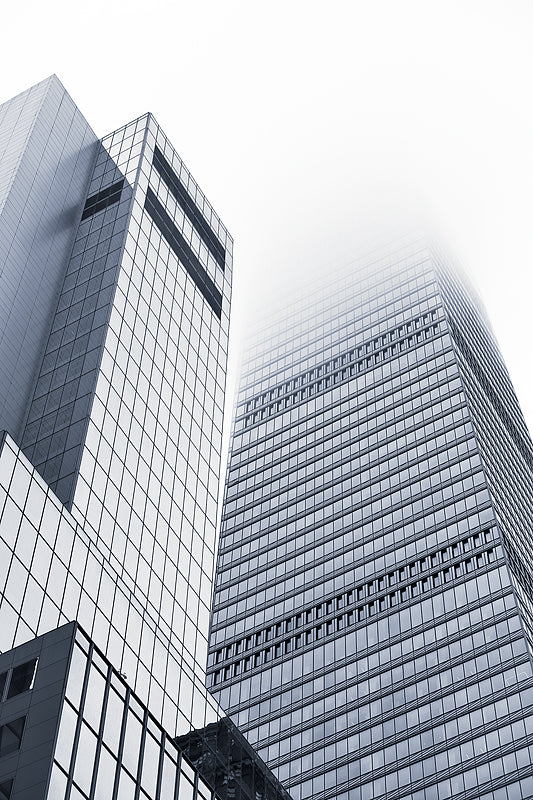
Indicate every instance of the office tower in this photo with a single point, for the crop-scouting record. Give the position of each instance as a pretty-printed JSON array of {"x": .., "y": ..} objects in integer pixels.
[
  {"x": 115, "y": 294},
  {"x": 372, "y": 625}
]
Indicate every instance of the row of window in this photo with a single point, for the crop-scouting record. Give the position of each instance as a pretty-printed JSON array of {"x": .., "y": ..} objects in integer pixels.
[
  {"x": 459, "y": 568},
  {"x": 183, "y": 251},
  {"x": 103, "y": 199},
  {"x": 516, "y": 563},
  {"x": 307, "y": 569},
  {"x": 464, "y": 312},
  {"x": 233, "y": 565},
  {"x": 307, "y": 330},
  {"x": 378, "y": 584},
  {"x": 370, "y": 346},
  {"x": 189, "y": 207},
  {"x": 108, "y": 743},
  {"x": 455, "y": 497},
  {"x": 499, "y": 407},
  {"x": 334, "y": 371},
  {"x": 360, "y": 487},
  {"x": 282, "y": 455},
  {"x": 17, "y": 679},
  {"x": 419, "y": 372}
]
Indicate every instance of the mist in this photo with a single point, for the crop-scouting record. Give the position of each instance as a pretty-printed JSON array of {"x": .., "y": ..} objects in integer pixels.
[{"x": 306, "y": 124}]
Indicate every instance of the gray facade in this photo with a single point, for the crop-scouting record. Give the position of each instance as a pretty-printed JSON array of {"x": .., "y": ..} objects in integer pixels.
[
  {"x": 110, "y": 460},
  {"x": 47, "y": 150},
  {"x": 125, "y": 418},
  {"x": 69, "y": 723},
  {"x": 371, "y": 625}
]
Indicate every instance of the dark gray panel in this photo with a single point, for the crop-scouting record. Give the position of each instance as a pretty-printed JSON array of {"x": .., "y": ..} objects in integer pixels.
[
  {"x": 59, "y": 413},
  {"x": 52, "y": 157}
]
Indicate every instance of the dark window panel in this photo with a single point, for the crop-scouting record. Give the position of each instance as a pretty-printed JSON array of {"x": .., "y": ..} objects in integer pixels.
[
  {"x": 183, "y": 252},
  {"x": 21, "y": 678},
  {"x": 189, "y": 207}
]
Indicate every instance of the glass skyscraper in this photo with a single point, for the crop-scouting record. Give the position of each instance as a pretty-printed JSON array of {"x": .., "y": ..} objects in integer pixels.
[
  {"x": 114, "y": 311},
  {"x": 372, "y": 630}
]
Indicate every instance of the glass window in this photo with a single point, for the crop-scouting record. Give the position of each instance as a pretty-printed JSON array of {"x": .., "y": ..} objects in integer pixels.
[
  {"x": 57, "y": 786},
  {"x": 11, "y": 736},
  {"x": 126, "y": 789},
  {"x": 5, "y": 789},
  {"x": 92, "y": 710},
  {"x": 85, "y": 758},
  {"x": 3, "y": 677},
  {"x": 150, "y": 767},
  {"x": 21, "y": 678},
  {"x": 186, "y": 790},
  {"x": 65, "y": 738},
  {"x": 106, "y": 775},
  {"x": 168, "y": 779},
  {"x": 132, "y": 742},
  {"x": 113, "y": 720},
  {"x": 203, "y": 788},
  {"x": 76, "y": 676}
]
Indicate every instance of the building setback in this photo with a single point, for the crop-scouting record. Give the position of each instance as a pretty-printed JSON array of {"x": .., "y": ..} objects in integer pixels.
[
  {"x": 372, "y": 628},
  {"x": 114, "y": 311}
]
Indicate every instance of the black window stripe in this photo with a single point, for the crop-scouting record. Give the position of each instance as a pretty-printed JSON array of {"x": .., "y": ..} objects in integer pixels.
[
  {"x": 100, "y": 200},
  {"x": 183, "y": 251},
  {"x": 189, "y": 207}
]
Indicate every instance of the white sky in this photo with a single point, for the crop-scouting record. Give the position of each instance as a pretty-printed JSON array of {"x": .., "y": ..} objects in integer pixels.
[{"x": 296, "y": 118}]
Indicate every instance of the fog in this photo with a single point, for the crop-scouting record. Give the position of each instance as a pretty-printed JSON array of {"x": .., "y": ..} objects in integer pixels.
[{"x": 302, "y": 121}]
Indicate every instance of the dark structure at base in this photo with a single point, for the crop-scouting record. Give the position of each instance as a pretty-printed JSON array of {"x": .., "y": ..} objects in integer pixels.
[
  {"x": 228, "y": 763},
  {"x": 70, "y": 724}
]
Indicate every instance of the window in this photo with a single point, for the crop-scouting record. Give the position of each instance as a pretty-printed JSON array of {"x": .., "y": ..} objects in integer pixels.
[
  {"x": 5, "y": 789},
  {"x": 21, "y": 678},
  {"x": 11, "y": 736}
]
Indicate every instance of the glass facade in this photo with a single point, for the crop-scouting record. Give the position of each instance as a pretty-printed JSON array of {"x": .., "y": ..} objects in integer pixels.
[
  {"x": 124, "y": 420},
  {"x": 371, "y": 631},
  {"x": 47, "y": 151},
  {"x": 70, "y": 726},
  {"x": 109, "y": 455}
]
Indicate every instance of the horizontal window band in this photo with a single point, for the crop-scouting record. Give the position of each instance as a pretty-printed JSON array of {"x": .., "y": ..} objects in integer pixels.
[
  {"x": 506, "y": 595},
  {"x": 354, "y": 526},
  {"x": 428, "y": 403},
  {"x": 397, "y": 579},
  {"x": 189, "y": 208},
  {"x": 332, "y": 595},
  {"x": 332, "y": 373},
  {"x": 246, "y": 500},
  {"x": 404, "y": 683},
  {"x": 419, "y": 701},
  {"x": 301, "y": 550},
  {"x": 297, "y": 592},
  {"x": 517, "y": 565},
  {"x": 409, "y": 591},
  {"x": 182, "y": 250},
  {"x": 408, "y": 295},
  {"x": 257, "y": 572},
  {"x": 484, "y": 381},
  {"x": 246, "y": 456},
  {"x": 104, "y": 199},
  {"x": 230, "y": 527},
  {"x": 430, "y": 781}
]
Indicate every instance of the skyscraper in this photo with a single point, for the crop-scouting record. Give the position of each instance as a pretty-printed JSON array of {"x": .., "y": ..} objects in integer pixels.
[
  {"x": 372, "y": 627},
  {"x": 114, "y": 299}
]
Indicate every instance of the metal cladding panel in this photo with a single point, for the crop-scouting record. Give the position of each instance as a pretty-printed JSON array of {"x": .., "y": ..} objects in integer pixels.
[{"x": 47, "y": 151}]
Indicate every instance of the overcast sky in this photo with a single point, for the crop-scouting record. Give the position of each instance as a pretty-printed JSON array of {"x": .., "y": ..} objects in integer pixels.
[{"x": 301, "y": 119}]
